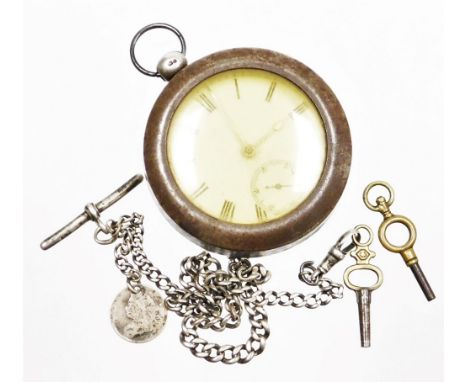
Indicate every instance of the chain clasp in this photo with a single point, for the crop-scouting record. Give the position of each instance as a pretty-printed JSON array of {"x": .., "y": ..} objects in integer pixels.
[{"x": 311, "y": 275}]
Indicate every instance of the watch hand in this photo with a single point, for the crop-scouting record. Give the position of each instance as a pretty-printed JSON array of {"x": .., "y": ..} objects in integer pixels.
[
  {"x": 278, "y": 186},
  {"x": 233, "y": 129},
  {"x": 231, "y": 124},
  {"x": 277, "y": 126}
]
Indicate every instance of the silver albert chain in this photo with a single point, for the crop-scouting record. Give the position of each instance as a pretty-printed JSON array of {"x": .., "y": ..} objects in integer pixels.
[{"x": 208, "y": 296}]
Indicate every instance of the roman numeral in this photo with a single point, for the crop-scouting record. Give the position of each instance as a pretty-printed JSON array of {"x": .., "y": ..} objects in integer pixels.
[
  {"x": 200, "y": 190},
  {"x": 261, "y": 214},
  {"x": 227, "y": 211},
  {"x": 237, "y": 88},
  {"x": 206, "y": 102},
  {"x": 270, "y": 91},
  {"x": 300, "y": 109}
]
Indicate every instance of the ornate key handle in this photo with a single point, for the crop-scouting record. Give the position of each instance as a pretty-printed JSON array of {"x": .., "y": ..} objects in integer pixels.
[
  {"x": 363, "y": 256},
  {"x": 406, "y": 250}
]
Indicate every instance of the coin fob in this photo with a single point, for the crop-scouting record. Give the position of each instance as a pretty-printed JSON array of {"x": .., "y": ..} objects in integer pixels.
[{"x": 138, "y": 317}]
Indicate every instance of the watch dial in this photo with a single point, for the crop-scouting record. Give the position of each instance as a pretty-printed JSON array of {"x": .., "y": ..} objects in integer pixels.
[{"x": 246, "y": 146}]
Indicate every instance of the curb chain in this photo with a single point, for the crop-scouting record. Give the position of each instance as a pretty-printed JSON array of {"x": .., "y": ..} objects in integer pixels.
[{"x": 212, "y": 298}]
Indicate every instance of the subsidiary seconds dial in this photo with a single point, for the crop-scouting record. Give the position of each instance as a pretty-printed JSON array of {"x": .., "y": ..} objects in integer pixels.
[{"x": 272, "y": 188}]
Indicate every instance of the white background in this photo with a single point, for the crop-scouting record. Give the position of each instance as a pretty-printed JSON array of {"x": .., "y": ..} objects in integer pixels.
[{"x": 86, "y": 109}]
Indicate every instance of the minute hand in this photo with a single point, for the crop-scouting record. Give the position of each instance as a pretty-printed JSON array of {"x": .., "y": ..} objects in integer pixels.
[
  {"x": 230, "y": 123},
  {"x": 232, "y": 126}
]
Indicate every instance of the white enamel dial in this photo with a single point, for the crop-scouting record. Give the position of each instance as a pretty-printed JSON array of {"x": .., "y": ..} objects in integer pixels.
[{"x": 246, "y": 146}]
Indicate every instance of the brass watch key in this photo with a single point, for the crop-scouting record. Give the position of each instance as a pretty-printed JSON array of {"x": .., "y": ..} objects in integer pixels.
[{"x": 406, "y": 250}]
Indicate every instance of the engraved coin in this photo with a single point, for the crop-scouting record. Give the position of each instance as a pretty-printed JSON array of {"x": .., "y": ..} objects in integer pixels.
[{"x": 138, "y": 317}]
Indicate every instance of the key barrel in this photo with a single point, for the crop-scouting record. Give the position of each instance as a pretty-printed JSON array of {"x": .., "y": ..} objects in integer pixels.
[
  {"x": 422, "y": 281},
  {"x": 363, "y": 297},
  {"x": 409, "y": 256}
]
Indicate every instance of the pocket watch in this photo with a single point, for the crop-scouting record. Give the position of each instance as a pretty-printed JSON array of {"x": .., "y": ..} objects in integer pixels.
[{"x": 246, "y": 150}]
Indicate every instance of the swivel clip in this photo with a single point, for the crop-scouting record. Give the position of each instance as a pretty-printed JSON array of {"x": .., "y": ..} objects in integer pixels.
[{"x": 311, "y": 275}]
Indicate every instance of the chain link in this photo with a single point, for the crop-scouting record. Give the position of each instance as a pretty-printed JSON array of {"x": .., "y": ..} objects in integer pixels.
[{"x": 212, "y": 298}]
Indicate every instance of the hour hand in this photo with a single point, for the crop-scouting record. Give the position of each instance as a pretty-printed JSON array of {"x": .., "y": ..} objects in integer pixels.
[{"x": 277, "y": 126}]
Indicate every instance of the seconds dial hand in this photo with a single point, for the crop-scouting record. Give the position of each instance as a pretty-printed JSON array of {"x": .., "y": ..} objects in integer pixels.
[{"x": 278, "y": 186}]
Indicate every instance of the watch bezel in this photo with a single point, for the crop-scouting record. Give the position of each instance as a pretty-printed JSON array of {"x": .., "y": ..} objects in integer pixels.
[{"x": 248, "y": 239}]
